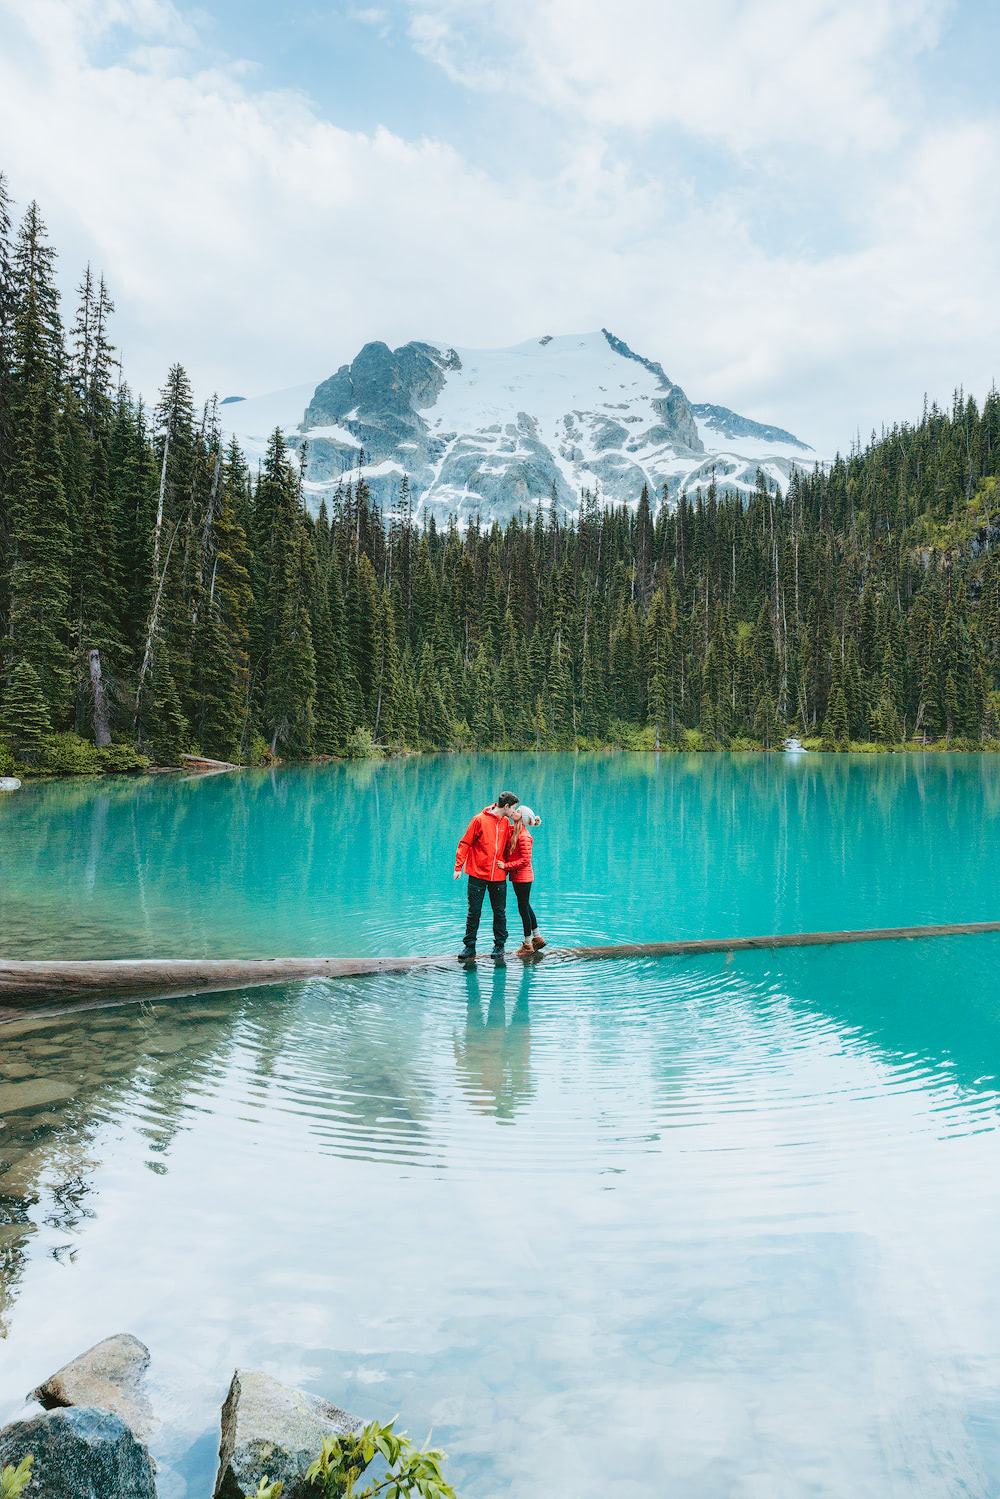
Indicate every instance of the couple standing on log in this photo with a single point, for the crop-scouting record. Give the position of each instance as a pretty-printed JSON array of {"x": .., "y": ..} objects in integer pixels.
[{"x": 497, "y": 843}]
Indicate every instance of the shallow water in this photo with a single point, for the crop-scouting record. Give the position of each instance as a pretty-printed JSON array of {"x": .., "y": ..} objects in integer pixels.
[{"x": 694, "y": 1227}]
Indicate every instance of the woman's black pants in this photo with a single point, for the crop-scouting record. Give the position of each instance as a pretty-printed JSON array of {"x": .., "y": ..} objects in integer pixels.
[{"x": 522, "y": 889}]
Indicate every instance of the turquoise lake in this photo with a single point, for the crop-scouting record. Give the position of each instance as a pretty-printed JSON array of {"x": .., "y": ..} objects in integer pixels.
[{"x": 713, "y": 1228}]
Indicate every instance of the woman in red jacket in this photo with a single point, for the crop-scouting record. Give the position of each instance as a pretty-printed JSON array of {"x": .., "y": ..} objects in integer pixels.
[{"x": 517, "y": 863}]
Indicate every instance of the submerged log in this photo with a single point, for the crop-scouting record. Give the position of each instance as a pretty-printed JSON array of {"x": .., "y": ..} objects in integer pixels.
[
  {"x": 197, "y": 762},
  {"x": 26, "y": 986},
  {"x": 22, "y": 984},
  {"x": 698, "y": 945}
]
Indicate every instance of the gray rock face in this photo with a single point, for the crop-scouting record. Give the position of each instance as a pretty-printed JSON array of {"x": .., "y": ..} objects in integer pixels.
[
  {"x": 108, "y": 1375},
  {"x": 269, "y": 1430},
  {"x": 672, "y": 407},
  {"x": 729, "y": 424},
  {"x": 378, "y": 399},
  {"x": 80, "y": 1453}
]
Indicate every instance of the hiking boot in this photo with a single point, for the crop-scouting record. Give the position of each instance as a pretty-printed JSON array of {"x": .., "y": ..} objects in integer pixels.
[
  {"x": 537, "y": 941},
  {"x": 526, "y": 950},
  {"x": 468, "y": 953},
  {"x": 499, "y": 951}
]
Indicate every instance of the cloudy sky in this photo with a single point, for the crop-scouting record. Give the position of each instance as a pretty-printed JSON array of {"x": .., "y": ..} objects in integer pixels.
[{"x": 792, "y": 204}]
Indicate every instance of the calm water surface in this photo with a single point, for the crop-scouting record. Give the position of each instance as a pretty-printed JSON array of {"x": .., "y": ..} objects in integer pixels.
[{"x": 707, "y": 1228}]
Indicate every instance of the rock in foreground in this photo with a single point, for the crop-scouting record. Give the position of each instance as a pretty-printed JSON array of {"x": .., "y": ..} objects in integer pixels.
[
  {"x": 108, "y": 1375},
  {"x": 269, "y": 1430},
  {"x": 80, "y": 1453}
]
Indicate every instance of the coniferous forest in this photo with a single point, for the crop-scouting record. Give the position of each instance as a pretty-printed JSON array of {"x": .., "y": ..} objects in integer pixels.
[{"x": 157, "y": 597}]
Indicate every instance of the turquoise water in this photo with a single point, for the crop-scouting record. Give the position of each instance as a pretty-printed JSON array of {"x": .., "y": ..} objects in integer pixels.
[{"x": 700, "y": 1227}]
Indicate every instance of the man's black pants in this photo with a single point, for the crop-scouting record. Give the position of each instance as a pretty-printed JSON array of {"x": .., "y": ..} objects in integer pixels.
[{"x": 498, "y": 900}]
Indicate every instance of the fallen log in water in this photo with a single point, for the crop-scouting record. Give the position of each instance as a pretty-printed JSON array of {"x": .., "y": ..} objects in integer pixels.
[
  {"x": 789, "y": 939},
  {"x": 23, "y": 985},
  {"x": 60, "y": 985},
  {"x": 202, "y": 762}
]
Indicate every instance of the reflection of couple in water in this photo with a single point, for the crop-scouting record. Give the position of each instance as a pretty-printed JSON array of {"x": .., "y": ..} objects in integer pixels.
[
  {"x": 493, "y": 1057},
  {"x": 497, "y": 843}
]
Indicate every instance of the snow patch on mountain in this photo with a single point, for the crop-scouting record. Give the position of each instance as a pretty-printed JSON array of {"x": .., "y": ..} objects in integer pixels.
[{"x": 251, "y": 421}]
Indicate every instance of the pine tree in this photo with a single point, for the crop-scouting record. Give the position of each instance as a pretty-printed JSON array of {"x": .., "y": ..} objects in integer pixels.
[
  {"x": 39, "y": 571},
  {"x": 885, "y": 719},
  {"x": 217, "y": 688},
  {"x": 386, "y": 685},
  {"x": 707, "y": 724},
  {"x": 290, "y": 689},
  {"x": 539, "y": 722},
  {"x": 275, "y": 526},
  {"x": 408, "y": 713},
  {"x": 767, "y": 726},
  {"x": 333, "y": 716},
  {"x": 167, "y": 643},
  {"x": 435, "y": 725},
  {"x": 562, "y": 722},
  {"x": 951, "y": 708},
  {"x": 24, "y": 714},
  {"x": 96, "y": 582},
  {"x": 8, "y": 308},
  {"x": 169, "y": 732}
]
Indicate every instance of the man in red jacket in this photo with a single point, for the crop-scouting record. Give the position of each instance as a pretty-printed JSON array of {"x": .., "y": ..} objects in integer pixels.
[{"x": 480, "y": 854}]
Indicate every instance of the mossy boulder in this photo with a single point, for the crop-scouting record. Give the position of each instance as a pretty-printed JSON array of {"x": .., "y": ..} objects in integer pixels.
[{"x": 80, "y": 1452}]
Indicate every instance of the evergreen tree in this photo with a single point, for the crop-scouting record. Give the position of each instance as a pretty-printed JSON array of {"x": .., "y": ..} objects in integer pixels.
[
  {"x": 8, "y": 309},
  {"x": 39, "y": 556},
  {"x": 707, "y": 724},
  {"x": 435, "y": 725},
  {"x": 290, "y": 689},
  {"x": 24, "y": 714},
  {"x": 169, "y": 733},
  {"x": 217, "y": 688}
]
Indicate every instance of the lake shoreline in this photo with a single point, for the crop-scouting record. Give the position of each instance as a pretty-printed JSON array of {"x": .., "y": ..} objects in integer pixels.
[{"x": 812, "y": 746}]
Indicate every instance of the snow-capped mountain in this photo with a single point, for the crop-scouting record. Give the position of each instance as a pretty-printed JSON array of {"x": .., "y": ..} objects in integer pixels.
[{"x": 490, "y": 431}]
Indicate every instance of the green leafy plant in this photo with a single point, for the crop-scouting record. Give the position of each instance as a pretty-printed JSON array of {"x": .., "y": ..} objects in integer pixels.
[
  {"x": 118, "y": 758},
  {"x": 411, "y": 1470},
  {"x": 362, "y": 745},
  {"x": 269, "y": 1490},
  {"x": 14, "y": 1481},
  {"x": 68, "y": 754}
]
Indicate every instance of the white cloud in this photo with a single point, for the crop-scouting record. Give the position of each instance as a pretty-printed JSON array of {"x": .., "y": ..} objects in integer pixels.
[
  {"x": 260, "y": 244},
  {"x": 743, "y": 72},
  {"x": 372, "y": 16}
]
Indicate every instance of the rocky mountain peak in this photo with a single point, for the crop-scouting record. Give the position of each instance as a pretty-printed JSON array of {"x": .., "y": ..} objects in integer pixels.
[{"x": 489, "y": 432}]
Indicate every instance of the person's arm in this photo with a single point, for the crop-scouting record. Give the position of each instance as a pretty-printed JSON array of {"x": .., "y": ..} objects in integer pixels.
[{"x": 472, "y": 832}]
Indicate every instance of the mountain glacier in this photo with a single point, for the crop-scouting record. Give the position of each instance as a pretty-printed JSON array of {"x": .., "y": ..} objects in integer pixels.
[{"x": 489, "y": 432}]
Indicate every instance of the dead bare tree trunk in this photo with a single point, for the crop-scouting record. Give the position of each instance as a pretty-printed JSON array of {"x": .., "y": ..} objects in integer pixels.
[
  {"x": 153, "y": 623},
  {"x": 102, "y": 711},
  {"x": 159, "y": 505}
]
